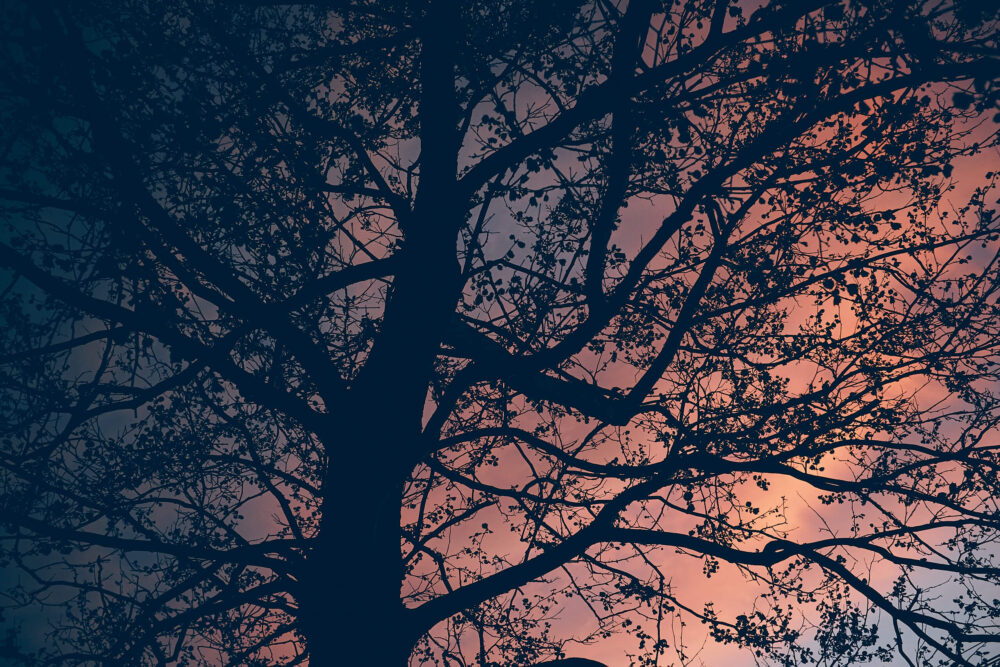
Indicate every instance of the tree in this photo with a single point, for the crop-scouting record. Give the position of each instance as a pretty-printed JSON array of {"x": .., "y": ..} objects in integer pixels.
[{"x": 392, "y": 329}]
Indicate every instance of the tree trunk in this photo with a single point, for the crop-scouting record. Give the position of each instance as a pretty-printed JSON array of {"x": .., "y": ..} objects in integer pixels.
[
  {"x": 350, "y": 609},
  {"x": 351, "y": 602}
]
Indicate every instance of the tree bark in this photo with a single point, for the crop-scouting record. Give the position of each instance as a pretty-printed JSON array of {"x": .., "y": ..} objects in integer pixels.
[
  {"x": 351, "y": 603},
  {"x": 350, "y": 593},
  {"x": 350, "y": 600}
]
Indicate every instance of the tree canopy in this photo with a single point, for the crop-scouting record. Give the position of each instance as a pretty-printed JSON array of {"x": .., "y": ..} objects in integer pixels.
[{"x": 496, "y": 332}]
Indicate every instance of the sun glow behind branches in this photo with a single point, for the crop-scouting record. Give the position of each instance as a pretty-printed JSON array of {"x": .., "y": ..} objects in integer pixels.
[{"x": 255, "y": 250}]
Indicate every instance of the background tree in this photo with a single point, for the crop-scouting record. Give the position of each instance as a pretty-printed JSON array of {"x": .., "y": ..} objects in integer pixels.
[{"x": 395, "y": 329}]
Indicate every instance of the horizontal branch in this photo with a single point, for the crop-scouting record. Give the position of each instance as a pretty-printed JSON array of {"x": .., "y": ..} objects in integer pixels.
[{"x": 255, "y": 554}]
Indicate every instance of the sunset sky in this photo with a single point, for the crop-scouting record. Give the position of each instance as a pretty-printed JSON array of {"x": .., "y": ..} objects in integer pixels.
[{"x": 482, "y": 333}]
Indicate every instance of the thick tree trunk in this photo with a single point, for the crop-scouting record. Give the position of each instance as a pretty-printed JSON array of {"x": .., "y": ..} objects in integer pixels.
[
  {"x": 351, "y": 603},
  {"x": 350, "y": 610},
  {"x": 350, "y": 606},
  {"x": 350, "y": 594}
]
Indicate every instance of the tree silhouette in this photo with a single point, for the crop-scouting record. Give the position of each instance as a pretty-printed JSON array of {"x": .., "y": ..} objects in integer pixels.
[{"x": 424, "y": 330}]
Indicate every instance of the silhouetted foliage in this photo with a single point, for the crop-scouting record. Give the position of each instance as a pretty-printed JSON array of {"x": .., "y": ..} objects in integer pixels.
[{"x": 458, "y": 332}]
